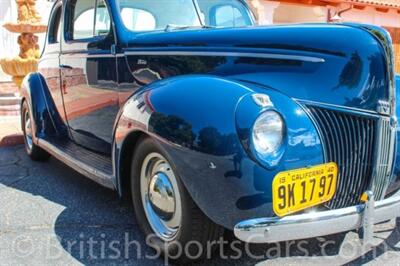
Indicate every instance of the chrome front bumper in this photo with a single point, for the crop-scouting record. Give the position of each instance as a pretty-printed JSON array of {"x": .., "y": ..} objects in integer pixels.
[{"x": 308, "y": 225}]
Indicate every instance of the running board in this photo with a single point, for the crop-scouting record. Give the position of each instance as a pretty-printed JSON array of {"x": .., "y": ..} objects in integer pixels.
[{"x": 92, "y": 165}]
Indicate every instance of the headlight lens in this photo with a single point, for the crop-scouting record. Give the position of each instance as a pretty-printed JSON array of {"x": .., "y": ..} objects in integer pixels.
[{"x": 268, "y": 133}]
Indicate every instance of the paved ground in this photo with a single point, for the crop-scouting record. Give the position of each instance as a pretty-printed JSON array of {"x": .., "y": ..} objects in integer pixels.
[{"x": 50, "y": 215}]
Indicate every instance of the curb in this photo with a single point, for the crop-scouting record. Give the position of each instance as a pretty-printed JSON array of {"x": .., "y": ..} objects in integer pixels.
[
  {"x": 10, "y": 131},
  {"x": 11, "y": 140}
]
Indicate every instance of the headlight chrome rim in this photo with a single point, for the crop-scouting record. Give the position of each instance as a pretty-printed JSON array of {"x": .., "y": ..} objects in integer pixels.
[{"x": 268, "y": 137}]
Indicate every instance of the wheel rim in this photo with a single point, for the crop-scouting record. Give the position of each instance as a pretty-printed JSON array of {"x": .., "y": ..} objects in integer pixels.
[
  {"x": 160, "y": 196},
  {"x": 28, "y": 130}
]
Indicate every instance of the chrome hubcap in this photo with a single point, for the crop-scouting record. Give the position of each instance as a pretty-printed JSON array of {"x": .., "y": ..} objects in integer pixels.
[
  {"x": 28, "y": 130},
  {"x": 160, "y": 196}
]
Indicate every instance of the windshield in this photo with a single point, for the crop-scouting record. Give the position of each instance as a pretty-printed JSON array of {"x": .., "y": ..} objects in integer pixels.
[
  {"x": 148, "y": 15},
  {"x": 224, "y": 13}
]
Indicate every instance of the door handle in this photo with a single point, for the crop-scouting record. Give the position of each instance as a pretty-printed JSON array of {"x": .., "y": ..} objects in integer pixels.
[{"x": 65, "y": 66}]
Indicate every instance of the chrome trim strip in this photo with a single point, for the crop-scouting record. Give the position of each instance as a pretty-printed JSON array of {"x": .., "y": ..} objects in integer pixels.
[
  {"x": 230, "y": 54},
  {"x": 384, "y": 38},
  {"x": 100, "y": 56},
  {"x": 83, "y": 55},
  {"x": 352, "y": 110},
  {"x": 384, "y": 157},
  {"x": 387, "y": 45},
  {"x": 80, "y": 55},
  {"x": 308, "y": 225},
  {"x": 94, "y": 174}
]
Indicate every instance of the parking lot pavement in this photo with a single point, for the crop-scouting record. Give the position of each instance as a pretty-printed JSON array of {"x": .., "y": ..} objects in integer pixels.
[{"x": 50, "y": 214}]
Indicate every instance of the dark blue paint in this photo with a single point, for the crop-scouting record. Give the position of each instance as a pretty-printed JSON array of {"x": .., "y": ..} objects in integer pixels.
[
  {"x": 353, "y": 73},
  {"x": 301, "y": 144},
  {"x": 47, "y": 121},
  {"x": 199, "y": 109},
  {"x": 91, "y": 71},
  {"x": 196, "y": 128}
]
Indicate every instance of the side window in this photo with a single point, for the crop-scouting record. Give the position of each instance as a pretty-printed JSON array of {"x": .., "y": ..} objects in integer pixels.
[
  {"x": 103, "y": 20},
  {"x": 87, "y": 19},
  {"x": 229, "y": 16},
  {"x": 55, "y": 26},
  {"x": 83, "y": 19},
  {"x": 138, "y": 19}
]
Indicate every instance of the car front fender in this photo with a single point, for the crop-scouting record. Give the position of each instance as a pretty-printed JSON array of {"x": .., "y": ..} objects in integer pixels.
[{"x": 195, "y": 119}]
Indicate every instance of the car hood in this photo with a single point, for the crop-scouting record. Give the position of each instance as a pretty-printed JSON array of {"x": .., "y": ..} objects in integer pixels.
[{"x": 344, "y": 65}]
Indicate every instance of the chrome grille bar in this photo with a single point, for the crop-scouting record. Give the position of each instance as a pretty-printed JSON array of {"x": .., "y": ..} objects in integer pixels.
[
  {"x": 384, "y": 157},
  {"x": 349, "y": 140}
]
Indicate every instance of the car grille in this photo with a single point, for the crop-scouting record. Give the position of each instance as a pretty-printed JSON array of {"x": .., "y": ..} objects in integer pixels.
[
  {"x": 350, "y": 140},
  {"x": 384, "y": 158}
]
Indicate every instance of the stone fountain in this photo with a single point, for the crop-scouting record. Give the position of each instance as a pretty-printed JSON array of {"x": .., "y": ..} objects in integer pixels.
[{"x": 29, "y": 23}]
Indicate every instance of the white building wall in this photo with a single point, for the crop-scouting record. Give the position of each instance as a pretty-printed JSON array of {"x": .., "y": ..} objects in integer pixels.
[
  {"x": 292, "y": 13},
  {"x": 371, "y": 16},
  {"x": 276, "y": 12}
]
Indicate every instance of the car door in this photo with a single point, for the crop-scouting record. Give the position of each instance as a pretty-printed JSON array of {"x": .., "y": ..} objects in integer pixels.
[
  {"x": 49, "y": 62},
  {"x": 88, "y": 74}
]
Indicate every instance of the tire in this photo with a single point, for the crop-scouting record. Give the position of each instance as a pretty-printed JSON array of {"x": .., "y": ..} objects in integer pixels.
[
  {"x": 34, "y": 152},
  {"x": 193, "y": 224}
]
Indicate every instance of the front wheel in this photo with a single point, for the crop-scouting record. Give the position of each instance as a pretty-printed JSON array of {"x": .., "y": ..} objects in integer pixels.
[
  {"x": 35, "y": 152},
  {"x": 167, "y": 215}
]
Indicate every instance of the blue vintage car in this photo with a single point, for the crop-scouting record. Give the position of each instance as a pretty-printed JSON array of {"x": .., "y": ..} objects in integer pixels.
[{"x": 209, "y": 123}]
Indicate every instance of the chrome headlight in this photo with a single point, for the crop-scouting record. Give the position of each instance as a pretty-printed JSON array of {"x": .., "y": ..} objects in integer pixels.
[{"x": 268, "y": 134}]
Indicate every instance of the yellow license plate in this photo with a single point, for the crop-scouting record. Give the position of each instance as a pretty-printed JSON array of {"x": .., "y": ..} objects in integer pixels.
[{"x": 299, "y": 189}]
